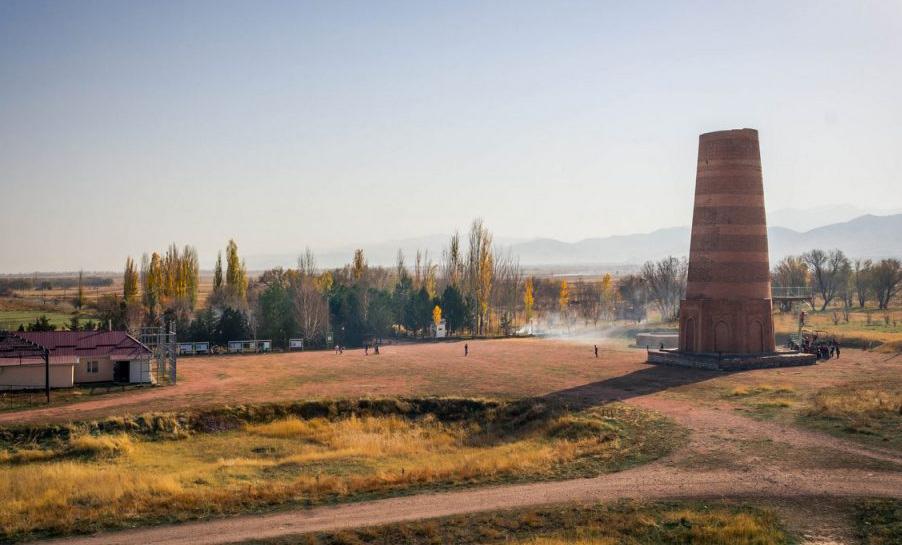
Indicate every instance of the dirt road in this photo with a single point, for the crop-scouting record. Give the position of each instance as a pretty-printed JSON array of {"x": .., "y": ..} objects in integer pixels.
[{"x": 651, "y": 482}]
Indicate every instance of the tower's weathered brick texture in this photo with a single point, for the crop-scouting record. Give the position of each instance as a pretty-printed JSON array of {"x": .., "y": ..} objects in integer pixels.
[{"x": 728, "y": 302}]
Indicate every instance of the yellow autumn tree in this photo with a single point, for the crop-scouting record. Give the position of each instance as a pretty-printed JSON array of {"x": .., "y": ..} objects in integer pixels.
[
  {"x": 608, "y": 296},
  {"x": 437, "y": 315},
  {"x": 529, "y": 299},
  {"x": 564, "y": 296}
]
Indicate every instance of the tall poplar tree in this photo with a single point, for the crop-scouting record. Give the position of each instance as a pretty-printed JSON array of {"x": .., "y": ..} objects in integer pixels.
[
  {"x": 130, "y": 281},
  {"x": 236, "y": 274},
  {"x": 217, "y": 274}
]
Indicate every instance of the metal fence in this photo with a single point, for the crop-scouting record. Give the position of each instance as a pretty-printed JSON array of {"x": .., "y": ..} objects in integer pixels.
[
  {"x": 21, "y": 397},
  {"x": 163, "y": 344},
  {"x": 791, "y": 292}
]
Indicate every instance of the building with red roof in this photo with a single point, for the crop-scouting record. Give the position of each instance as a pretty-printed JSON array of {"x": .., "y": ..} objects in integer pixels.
[{"x": 77, "y": 357}]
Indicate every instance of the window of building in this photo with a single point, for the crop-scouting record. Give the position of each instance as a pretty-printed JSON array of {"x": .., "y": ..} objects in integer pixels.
[{"x": 92, "y": 367}]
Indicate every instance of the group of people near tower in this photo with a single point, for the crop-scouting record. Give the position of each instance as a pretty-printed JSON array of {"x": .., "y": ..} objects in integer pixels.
[{"x": 823, "y": 349}]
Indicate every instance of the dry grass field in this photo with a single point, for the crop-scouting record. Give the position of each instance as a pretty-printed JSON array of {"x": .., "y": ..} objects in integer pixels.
[{"x": 83, "y": 482}]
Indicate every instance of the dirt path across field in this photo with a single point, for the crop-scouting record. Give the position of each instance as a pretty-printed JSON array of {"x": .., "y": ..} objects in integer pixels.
[{"x": 645, "y": 483}]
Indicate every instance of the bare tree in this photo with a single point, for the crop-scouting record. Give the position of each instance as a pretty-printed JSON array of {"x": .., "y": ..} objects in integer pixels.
[
  {"x": 830, "y": 272},
  {"x": 588, "y": 298},
  {"x": 310, "y": 306},
  {"x": 505, "y": 295},
  {"x": 400, "y": 266},
  {"x": 861, "y": 279},
  {"x": 666, "y": 284},
  {"x": 632, "y": 296},
  {"x": 453, "y": 261},
  {"x": 479, "y": 271},
  {"x": 886, "y": 279}
]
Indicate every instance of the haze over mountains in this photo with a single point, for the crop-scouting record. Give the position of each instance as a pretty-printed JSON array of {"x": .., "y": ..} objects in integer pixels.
[{"x": 867, "y": 236}]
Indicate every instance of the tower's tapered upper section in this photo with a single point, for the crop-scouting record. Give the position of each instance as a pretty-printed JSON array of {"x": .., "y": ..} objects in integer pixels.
[{"x": 728, "y": 256}]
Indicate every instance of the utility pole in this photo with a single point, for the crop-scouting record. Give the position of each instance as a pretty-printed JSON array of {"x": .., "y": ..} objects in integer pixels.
[{"x": 46, "y": 354}]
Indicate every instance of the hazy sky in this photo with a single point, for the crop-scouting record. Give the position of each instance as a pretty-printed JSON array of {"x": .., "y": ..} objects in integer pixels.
[{"x": 126, "y": 125}]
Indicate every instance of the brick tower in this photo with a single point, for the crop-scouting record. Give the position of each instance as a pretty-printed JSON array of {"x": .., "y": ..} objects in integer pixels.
[{"x": 727, "y": 309}]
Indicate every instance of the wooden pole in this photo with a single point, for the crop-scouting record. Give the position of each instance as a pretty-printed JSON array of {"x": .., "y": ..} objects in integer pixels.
[{"x": 47, "y": 374}]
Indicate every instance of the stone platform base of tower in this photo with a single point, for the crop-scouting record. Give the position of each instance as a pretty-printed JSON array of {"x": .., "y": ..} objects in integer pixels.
[{"x": 731, "y": 362}]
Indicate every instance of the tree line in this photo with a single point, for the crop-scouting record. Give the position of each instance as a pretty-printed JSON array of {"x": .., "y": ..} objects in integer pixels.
[{"x": 834, "y": 278}]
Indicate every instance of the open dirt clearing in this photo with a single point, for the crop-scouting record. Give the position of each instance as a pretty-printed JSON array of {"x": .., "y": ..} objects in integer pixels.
[{"x": 496, "y": 368}]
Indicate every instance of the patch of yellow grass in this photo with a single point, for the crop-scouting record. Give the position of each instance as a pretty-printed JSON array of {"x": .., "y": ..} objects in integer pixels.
[
  {"x": 103, "y": 446},
  {"x": 740, "y": 391},
  {"x": 724, "y": 528},
  {"x": 746, "y": 390},
  {"x": 26, "y": 456},
  {"x": 367, "y": 436},
  {"x": 678, "y": 526},
  {"x": 854, "y": 402},
  {"x": 58, "y": 496},
  {"x": 574, "y": 541}
]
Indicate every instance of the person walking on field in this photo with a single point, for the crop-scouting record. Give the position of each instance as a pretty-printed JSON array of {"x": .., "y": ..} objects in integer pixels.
[
  {"x": 836, "y": 347},
  {"x": 466, "y": 349},
  {"x": 596, "y": 350}
]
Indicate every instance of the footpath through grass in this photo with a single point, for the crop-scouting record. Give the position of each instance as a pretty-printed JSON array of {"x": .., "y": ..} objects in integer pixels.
[
  {"x": 164, "y": 468},
  {"x": 623, "y": 523}
]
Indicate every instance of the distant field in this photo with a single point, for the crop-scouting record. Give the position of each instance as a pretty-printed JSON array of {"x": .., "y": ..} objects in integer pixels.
[
  {"x": 11, "y": 319},
  {"x": 60, "y": 299}
]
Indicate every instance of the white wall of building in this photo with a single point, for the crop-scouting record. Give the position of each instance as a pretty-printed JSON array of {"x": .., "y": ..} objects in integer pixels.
[{"x": 21, "y": 377}]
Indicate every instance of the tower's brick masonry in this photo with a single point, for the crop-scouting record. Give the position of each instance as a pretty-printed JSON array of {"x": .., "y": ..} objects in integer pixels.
[{"x": 728, "y": 302}]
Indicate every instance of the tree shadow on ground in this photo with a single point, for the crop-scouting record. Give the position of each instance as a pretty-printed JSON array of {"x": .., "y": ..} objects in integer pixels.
[{"x": 648, "y": 380}]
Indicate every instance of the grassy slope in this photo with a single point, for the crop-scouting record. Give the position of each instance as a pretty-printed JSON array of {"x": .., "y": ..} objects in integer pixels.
[{"x": 86, "y": 482}]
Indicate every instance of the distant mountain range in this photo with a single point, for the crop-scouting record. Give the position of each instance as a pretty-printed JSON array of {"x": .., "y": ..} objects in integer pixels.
[{"x": 867, "y": 236}]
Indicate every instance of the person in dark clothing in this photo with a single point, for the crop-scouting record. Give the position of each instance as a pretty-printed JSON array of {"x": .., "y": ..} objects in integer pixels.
[
  {"x": 466, "y": 349},
  {"x": 366, "y": 349},
  {"x": 836, "y": 348},
  {"x": 596, "y": 350},
  {"x": 376, "y": 349}
]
